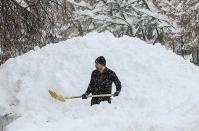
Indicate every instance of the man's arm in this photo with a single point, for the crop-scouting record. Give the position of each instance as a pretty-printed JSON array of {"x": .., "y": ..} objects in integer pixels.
[
  {"x": 90, "y": 85},
  {"x": 88, "y": 91},
  {"x": 117, "y": 84}
]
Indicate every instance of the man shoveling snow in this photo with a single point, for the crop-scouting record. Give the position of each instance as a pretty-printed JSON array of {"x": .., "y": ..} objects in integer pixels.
[{"x": 101, "y": 82}]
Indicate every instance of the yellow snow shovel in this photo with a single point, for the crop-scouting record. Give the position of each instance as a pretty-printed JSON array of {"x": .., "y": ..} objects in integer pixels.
[{"x": 63, "y": 99}]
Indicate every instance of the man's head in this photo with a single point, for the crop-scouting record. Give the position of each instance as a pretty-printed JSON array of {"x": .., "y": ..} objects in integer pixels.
[{"x": 100, "y": 63}]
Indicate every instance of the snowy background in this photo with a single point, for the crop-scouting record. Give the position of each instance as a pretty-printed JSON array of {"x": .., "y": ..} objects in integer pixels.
[{"x": 160, "y": 89}]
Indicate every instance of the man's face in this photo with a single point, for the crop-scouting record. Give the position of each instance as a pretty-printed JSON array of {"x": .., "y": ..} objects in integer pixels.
[{"x": 98, "y": 66}]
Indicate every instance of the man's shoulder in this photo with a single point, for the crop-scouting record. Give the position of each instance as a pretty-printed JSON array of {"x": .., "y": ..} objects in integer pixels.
[
  {"x": 107, "y": 70},
  {"x": 110, "y": 71},
  {"x": 95, "y": 71}
]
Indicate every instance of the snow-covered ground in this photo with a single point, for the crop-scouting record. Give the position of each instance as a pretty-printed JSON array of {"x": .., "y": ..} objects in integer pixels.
[{"x": 160, "y": 90}]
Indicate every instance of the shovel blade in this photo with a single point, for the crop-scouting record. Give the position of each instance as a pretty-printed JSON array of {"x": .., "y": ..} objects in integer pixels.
[{"x": 56, "y": 96}]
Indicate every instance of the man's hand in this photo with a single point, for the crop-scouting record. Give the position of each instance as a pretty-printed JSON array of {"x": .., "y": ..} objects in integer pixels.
[
  {"x": 116, "y": 93},
  {"x": 84, "y": 96}
]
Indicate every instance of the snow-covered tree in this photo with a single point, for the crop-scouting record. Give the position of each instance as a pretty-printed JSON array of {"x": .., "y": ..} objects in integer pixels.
[
  {"x": 185, "y": 13},
  {"x": 25, "y": 24},
  {"x": 138, "y": 18}
]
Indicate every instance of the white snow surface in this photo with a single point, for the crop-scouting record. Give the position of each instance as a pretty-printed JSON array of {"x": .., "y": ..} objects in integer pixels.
[{"x": 160, "y": 89}]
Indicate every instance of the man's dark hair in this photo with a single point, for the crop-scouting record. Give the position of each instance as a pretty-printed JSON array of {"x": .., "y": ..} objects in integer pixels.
[{"x": 101, "y": 60}]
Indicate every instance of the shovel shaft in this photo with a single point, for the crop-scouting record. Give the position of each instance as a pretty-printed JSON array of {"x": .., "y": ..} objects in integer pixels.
[{"x": 102, "y": 95}]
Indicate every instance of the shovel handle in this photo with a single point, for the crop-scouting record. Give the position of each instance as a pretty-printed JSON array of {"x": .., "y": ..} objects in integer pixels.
[{"x": 102, "y": 95}]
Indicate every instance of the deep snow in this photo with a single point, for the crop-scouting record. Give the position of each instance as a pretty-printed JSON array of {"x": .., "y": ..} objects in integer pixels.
[{"x": 160, "y": 90}]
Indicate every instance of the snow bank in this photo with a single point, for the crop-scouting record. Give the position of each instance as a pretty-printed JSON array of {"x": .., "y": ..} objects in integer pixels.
[{"x": 160, "y": 90}]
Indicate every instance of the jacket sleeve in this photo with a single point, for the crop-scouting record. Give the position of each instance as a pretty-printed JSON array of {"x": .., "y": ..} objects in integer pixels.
[
  {"x": 90, "y": 85},
  {"x": 116, "y": 82}
]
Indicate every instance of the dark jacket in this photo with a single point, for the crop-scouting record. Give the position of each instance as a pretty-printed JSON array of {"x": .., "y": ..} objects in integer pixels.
[{"x": 101, "y": 83}]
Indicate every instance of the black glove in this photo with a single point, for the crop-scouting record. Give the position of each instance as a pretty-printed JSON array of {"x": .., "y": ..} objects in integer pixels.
[
  {"x": 84, "y": 96},
  {"x": 116, "y": 93}
]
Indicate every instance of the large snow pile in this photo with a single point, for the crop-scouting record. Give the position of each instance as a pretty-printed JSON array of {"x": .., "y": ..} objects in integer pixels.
[{"x": 160, "y": 90}]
